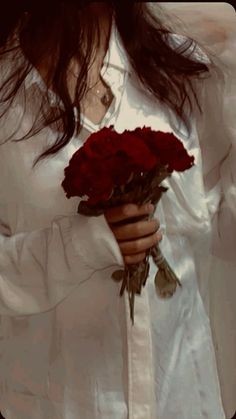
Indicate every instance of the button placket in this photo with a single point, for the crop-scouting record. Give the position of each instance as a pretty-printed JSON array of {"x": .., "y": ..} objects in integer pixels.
[{"x": 141, "y": 395}]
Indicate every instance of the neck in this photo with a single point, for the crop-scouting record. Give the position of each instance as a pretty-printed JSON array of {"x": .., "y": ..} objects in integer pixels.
[{"x": 104, "y": 15}]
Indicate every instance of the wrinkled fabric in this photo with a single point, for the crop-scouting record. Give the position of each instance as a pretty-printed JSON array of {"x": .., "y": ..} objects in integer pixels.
[
  {"x": 213, "y": 26},
  {"x": 68, "y": 349}
]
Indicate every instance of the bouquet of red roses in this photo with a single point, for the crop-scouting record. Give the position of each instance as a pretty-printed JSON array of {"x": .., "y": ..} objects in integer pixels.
[{"x": 112, "y": 169}]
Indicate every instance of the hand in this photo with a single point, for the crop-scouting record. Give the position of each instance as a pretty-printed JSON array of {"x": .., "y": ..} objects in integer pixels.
[{"x": 135, "y": 237}]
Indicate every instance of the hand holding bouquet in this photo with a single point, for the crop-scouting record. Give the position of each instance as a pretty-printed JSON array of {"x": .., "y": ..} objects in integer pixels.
[
  {"x": 135, "y": 230},
  {"x": 112, "y": 169}
]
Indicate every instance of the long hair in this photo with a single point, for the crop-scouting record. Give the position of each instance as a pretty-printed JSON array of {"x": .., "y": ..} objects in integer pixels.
[{"x": 56, "y": 32}]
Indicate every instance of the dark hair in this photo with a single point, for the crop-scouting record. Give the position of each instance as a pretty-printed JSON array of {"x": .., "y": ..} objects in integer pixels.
[{"x": 54, "y": 31}]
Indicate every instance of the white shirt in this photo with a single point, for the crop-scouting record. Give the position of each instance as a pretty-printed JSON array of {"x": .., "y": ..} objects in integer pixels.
[{"x": 68, "y": 349}]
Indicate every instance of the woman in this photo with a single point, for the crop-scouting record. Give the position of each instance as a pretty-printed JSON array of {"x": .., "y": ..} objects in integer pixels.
[{"x": 68, "y": 349}]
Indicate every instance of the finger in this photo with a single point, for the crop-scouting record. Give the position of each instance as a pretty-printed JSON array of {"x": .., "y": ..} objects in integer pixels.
[
  {"x": 123, "y": 212},
  {"x": 140, "y": 245},
  {"x": 129, "y": 260},
  {"x": 135, "y": 230}
]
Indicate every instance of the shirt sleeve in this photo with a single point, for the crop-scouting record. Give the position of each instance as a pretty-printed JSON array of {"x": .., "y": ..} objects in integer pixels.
[
  {"x": 39, "y": 269},
  {"x": 218, "y": 141},
  {"x": 216, "y": 130},
  {"x": 217, "y": 135}
]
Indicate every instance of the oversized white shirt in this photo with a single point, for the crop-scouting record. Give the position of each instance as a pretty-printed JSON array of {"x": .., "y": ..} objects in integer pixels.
[{"x": 68, "y": 349}]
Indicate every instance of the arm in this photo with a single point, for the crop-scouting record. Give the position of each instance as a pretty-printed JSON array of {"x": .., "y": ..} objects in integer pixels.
[
  {"x": 218, "y": 140},
  {"x": 216, "y": 130},
  {"x": 40, "y": 268}
]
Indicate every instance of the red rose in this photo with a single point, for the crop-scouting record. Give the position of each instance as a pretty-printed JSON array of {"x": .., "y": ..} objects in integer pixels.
[
  {"x": 103, "y": 143},
  {"x": 87, "y": 178},
  {"x": 99, "y": 185},
  {"x": 138, "y": 151},
  {"x": 107, "y": 143},
  {"x": 72, "y": 184},
  {"x": 108, "y": 159},
  {"x": 120, "y": 168},
  {"x": 167, "y": 148}
]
